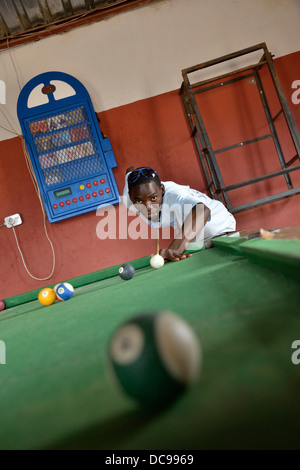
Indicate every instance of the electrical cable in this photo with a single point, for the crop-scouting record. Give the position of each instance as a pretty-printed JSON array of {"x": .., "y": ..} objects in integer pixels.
[
  {"x": 35, "y": 184},
  {"x": 20, "y": 251},
  {"x": 13, "y": 130},
  {"x": 32, "y": 175},
  {"x": 14, "y": 65}
]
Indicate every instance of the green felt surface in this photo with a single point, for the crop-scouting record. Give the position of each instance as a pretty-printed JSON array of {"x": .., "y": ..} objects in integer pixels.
[
  {"x": 56, "y": 390},
  {"x": 76, "y": 282}
]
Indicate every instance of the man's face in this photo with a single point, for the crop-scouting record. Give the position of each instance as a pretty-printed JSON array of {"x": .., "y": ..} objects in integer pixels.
[{"x": 147, "y": 198}]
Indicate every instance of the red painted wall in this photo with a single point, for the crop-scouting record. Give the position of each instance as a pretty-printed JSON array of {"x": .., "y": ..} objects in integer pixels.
[{"x": 151, "y": 132}]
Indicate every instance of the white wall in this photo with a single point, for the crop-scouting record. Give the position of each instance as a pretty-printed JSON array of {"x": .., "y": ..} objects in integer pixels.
[{"x": 140, "y": 53}]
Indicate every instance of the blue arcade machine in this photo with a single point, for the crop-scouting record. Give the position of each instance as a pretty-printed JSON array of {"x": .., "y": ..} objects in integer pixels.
[{"x": 71, "y": 158}]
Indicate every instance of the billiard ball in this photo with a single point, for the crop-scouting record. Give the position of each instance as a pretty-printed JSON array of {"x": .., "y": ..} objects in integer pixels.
[
  {"x": 64, "y": 291},
  {"x": 157, "y": 261},
  {"x": 154, "y": 357},
  {"x": 126, "y": 271},
  {"x": 46, "y": 296},
  {"x": 2, "y": 305}
]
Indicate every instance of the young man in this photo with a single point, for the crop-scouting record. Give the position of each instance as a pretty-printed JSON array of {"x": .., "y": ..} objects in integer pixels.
[{"x": 194, "y": 216}]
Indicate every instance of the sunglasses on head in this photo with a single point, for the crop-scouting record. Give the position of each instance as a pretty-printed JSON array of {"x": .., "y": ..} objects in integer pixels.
[{"x": 145, "y": 171}]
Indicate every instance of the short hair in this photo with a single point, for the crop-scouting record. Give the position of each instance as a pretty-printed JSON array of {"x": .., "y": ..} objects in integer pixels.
[{"x": 142, "y": 178}]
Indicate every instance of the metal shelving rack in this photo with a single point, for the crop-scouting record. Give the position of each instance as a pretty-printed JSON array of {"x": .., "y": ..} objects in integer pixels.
[{"x": 207, "y": 155}]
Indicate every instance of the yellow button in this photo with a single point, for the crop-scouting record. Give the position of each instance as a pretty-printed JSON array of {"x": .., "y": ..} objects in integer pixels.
[{"x": 81, "y": 186}]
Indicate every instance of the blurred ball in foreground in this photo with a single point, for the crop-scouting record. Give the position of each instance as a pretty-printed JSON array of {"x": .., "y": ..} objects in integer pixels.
[{"x": 155, "y": 356}]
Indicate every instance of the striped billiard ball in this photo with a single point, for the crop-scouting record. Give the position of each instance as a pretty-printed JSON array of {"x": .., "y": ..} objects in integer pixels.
[
  {"x": 64, "y": 291},
  {"x": 154, "y": 357}
]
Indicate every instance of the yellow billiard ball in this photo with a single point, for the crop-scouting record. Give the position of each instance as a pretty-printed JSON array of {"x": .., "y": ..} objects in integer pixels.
[{"x": 47, "y": 296}]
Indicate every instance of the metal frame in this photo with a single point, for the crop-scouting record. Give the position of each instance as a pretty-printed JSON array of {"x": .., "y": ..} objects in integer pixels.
[{"x": 207, "y": 154}]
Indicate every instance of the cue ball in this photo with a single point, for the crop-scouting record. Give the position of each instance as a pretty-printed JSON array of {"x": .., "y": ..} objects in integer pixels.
[
  {"x": 47, "y": 296},
  {"x": 64, "y": 291},
  {"x": 126, "y": 271},
  {"x": 154, "y": 357},
  {"x": 157, "y": 261},
  {"x": 2, "y": 305}
]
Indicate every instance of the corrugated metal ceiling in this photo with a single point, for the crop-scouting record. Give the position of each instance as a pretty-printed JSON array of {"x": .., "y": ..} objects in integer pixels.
[
  {"x": 24, "y": 17},
  {"x": 17, "y": 16}
]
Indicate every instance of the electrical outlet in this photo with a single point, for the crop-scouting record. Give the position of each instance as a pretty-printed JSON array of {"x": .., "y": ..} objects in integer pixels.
[{"x": 13, "y": 220}]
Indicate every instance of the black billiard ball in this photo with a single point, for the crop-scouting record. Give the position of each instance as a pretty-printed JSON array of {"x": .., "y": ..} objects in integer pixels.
[
  {"x": 154, "y": 357},
  {"x": 126, "y": 271}
]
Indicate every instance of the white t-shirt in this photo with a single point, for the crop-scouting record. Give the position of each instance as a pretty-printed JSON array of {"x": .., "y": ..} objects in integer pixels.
[{"x": 178, "y": 201}]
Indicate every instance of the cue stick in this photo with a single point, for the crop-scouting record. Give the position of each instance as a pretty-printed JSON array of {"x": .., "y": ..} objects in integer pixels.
[{"x": 157, "y": 241}]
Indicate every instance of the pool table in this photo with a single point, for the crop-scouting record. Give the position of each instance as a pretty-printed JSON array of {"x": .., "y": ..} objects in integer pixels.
[{"x": 241, "y": 297}]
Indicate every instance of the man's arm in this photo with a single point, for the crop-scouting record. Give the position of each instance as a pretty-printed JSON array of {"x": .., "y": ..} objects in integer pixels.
[{"x": 192, "y": 226}]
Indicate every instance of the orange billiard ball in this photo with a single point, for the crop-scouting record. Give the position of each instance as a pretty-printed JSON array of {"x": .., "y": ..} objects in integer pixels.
[{"x": 47, "y": 296}]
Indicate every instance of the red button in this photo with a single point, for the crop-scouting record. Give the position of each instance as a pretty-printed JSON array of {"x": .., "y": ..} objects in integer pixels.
[
  {"x": 107, "y": 190},
  {"x": 75, "y": 199},
  {"x": 55, "y": 206},
  {"x": 88, "y": 185},
  {"x": 61, "y": 204},
  {"x": 95, "y": 183},
  {"x": 101, "y": 192},
  {"x": 94, "y": 194},
  {"x": 88, "y": 196},
  {"x": 102, "y": 181},
  {"x": 81, "y": 198},
  {"x": 68, "y": 202}
]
